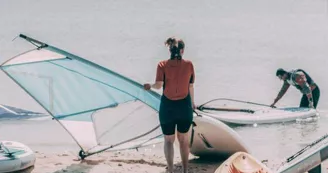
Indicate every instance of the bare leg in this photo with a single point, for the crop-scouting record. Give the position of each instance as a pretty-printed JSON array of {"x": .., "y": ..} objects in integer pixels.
[
  {"x": 169, "y": 151},
  {"x": 184, "y": 150}
]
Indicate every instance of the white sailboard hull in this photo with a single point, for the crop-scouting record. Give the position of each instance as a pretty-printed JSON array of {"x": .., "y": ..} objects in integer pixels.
[
  {"x": 211, "y": 137},
  {"x": 263, "y": 116},
  {"x": 15, "y": 156},
  {"x": 309, "y": 158}
]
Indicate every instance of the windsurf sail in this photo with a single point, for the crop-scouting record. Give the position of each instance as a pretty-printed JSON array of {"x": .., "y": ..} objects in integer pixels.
[{"x": 100, "y": 109}]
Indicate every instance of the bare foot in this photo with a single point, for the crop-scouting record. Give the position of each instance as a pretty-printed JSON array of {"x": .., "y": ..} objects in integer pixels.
[{"x": 168, "y": 171}]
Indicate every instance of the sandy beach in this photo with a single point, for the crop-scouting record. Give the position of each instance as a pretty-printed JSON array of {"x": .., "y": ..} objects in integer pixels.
[{"x": 145, "y": 160}]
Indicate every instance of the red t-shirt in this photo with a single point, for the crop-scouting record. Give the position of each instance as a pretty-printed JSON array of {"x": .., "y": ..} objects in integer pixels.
[{"x": 176, "y": 75}]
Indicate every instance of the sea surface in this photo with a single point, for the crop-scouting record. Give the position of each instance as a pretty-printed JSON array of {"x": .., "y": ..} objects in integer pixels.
[{"x": 235, "y": 45}]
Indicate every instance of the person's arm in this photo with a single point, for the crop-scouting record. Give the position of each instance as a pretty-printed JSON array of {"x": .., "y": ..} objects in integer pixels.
[
  {"x": 157, "y": 85},
  {"x": 281, "y": 93},
  {"x": 191, "y": 92},
  {"x": 300, "y": 79},
  {"x": 191, "y": 86},
  {"x": 159, "y": 79}
]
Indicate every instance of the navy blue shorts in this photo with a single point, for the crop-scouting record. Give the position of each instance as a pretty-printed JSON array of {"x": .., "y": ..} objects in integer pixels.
[{"x": 175, "y": 114}]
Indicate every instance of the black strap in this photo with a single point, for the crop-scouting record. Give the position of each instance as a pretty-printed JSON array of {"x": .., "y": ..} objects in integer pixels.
[{"x": 192, "y": 134}]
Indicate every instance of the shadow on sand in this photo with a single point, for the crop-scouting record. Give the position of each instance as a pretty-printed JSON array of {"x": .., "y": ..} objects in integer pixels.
[
  {"x": 82, "y": 167},
  {"x": 197, "y": 165},
  {"x": 27, "y": 170},
  {"x": 140, "y": 161}
]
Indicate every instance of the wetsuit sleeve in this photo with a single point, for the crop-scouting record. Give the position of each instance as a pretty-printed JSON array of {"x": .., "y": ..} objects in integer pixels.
[
  {"x": 160, "y": 73},
  {"x": 192, "y": 77}
]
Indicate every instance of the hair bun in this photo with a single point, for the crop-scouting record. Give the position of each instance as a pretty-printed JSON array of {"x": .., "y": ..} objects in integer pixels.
[
  {"x": 171, "y": 41},
  {"x": 175, "y": 46}
]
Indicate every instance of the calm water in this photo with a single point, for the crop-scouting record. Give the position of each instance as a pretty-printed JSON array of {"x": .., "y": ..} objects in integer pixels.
[{"x": 235, "y": 45}]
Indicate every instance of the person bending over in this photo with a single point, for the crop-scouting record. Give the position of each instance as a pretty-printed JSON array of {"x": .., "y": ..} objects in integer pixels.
[{"x": 303, "y": 82}]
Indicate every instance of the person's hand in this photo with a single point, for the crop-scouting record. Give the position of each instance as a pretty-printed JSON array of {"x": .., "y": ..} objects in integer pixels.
[
  {"x": 273, "y": 105},
  {"x": 147, "y": 86},
  {"x": 193, "y": 106}
]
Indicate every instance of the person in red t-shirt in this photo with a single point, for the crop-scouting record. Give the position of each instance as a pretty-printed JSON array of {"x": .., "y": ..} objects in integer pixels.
[{"x": 176, "y": 76}]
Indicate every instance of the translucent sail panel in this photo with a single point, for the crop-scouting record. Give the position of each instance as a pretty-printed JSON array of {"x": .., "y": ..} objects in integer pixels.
[
  {"x": 121, "y": 123},
  {"x": 63, "y": 92},
  {"x": 132, "y": 123},
  {"x": 35, "y": 55},
  {"x": 72, "y": 86},
  {"x": 129, "y": 125},
  {"x": 83, "y": 132},
  {"x": 141, "y": 142}
]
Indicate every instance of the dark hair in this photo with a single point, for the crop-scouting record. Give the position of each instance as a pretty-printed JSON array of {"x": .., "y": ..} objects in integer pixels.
[
  {"x": 280, "y": 72},
  {"x": 175, "y": 46}
]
